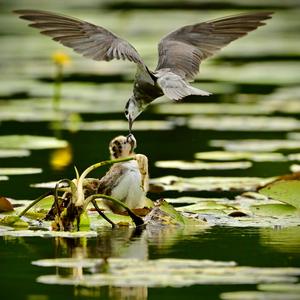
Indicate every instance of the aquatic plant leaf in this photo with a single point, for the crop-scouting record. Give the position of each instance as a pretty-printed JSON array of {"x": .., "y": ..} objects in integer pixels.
[
  {"x": 164, "y": 213},
  {"x": 192, "y": 200},
  {"x": 274, "y": 210},
  {"x": 20, "y": 171},
  {"x": 2, "y": 178},
  {"x": 287, "y": 191},
  {"x": 174, "y": 183},
  {"x": 207, "y": 206},
  {"x": 244, "y": 123},
  {"x": 164, "y": 272},
  {"x": 30, "y": 142},
  {"x": 118, "y": 125},
  {"x": 5, "y": 205},
  {"x": 211, "y": 108},
  {"x": 14, "y": 153},
  {"x": 48, "y": 234},
  {"x": 13, "y": 221},
  {"x": 199, "y": 165},
  {"x": 258, "y": 295},
  {"x": 240, "y": 155},
  {"x": 255, "y": 145},
  {"x": 283, "y": 287}
]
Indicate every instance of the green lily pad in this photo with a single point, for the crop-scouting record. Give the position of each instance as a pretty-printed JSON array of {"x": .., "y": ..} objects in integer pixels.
[
  {"x": 13, "y": 221},
  {"x": 20, "y": 171},
  {"x": 2, "y": 178},
  {"x": 119, "y": 125},
  {"x": 13, "y": 153},
  {"x": 244, "y": 123},
  {"x": 212, "y": 108},
  {"x": 256, "y": 295},
  {"x": 164, "y": 272},
  {"x": 287, "y": 191},
  {"x": 254, "y": 145},
  {"x": 174, "y": 183},
  {"x": 199, "y": 165},
  {"x": 274, "y": 210},
  {"x": 30, "y": 142},
  {"x": 237, "y": 155},
  {"x": 49, "y": 234},
  {"x": 284, "y": 287}
]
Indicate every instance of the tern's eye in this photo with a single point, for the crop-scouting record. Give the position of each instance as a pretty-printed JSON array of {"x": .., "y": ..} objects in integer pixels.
[{"x": 126, "y": 112}]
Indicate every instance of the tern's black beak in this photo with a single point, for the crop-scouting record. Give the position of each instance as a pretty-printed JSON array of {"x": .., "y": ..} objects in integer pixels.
[{"x": 130, "y": 122}]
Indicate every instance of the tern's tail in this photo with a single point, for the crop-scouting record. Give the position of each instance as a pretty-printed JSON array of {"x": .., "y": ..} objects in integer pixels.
[{"x": 175, "y": 87}]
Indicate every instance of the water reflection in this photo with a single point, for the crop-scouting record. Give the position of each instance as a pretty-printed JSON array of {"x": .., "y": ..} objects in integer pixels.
[{"x": 286, "y": 240}]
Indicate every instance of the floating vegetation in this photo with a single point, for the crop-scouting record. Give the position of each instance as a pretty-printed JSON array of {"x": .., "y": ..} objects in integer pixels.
[
  {"x": 117, "y": 125},
  {"x": 255, "y": 145},
  {"x": 4, "y": 153},
  {"x": 174, "y": 183},
  {"x": 244, "y": 123},
  {"x": 287, "y": 191},
  {"x": 30, "y": 142},
  {"x": 162, "y": 273},
  {"x": 199, "y": 165},
  {"x": 240, "y": 155},
  {"x": 20, "y": 171}
]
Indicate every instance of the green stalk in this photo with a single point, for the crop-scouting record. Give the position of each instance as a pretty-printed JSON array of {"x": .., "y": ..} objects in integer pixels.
[{"x": 34, "y": 202}]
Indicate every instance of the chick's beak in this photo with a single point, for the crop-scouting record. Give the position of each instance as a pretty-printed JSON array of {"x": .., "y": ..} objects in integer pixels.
[{"x": 131, "y": 140}]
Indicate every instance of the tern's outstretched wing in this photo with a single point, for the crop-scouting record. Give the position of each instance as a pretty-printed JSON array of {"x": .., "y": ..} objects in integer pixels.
[
  {"x": 85, "y": 38},
  {"x": 182, "y": 50}
]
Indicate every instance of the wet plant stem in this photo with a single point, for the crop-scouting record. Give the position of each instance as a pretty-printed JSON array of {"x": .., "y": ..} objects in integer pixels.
[
  {"x": 102, "y": 214},
  {"x": 138, "y": 221},
  {"x": 34, "y": 202}
]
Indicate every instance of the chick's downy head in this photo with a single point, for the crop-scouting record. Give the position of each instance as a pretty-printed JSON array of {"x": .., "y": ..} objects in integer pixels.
[{"x": 122, "y": 146}]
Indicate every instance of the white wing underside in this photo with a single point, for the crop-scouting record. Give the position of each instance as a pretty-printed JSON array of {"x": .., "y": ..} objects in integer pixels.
[{"x": 175, "y": 87}]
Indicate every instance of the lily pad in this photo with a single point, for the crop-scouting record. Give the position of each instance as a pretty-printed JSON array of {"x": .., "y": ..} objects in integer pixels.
[
  {"x": 165, "y": 272},
  {"x": 240, "y": 155},
  {"x": 212, "y": 108},
  {"x": 244, "y": 123},
  {"x": 30, "y": 142},
  {"x": 287, "y": 191},
  {"x": 119, "y": 125},
  {"x": 199, "y": 165},
  {"x": 174, "y": 183},
  {"x": 13, "y": 221},
  {"x": 287, "y": 287},
  {"x": 256, "y": 295},
  {"x": 255, "y": 145},
  {"x": 49, "y": 234},
  {"x": 13, "y": 153},
  {"x": 20, "y": 171},
  {"x": 2, "y": 178},
  {"x": 274, "y": 210}
]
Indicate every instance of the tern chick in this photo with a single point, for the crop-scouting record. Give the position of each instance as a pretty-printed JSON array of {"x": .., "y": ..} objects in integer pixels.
[{"x": 125, "y": 181}]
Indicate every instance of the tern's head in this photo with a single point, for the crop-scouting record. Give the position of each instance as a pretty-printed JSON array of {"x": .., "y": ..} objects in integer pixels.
[
  {"x": 122, "y": 146},
  {"x": 132, "y": 109}
]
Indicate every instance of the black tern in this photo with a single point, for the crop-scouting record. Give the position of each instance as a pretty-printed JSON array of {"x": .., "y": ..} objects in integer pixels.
[{"x": 179, "y": 52}]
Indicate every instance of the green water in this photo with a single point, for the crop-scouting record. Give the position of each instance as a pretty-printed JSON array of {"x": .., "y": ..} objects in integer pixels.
[{"x": 261, "y": 70}]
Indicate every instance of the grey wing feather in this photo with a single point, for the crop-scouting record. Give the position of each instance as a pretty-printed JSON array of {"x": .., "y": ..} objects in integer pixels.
[
  {"x": 182, "y": 50},
  {"x": 85, "y": 38}
]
